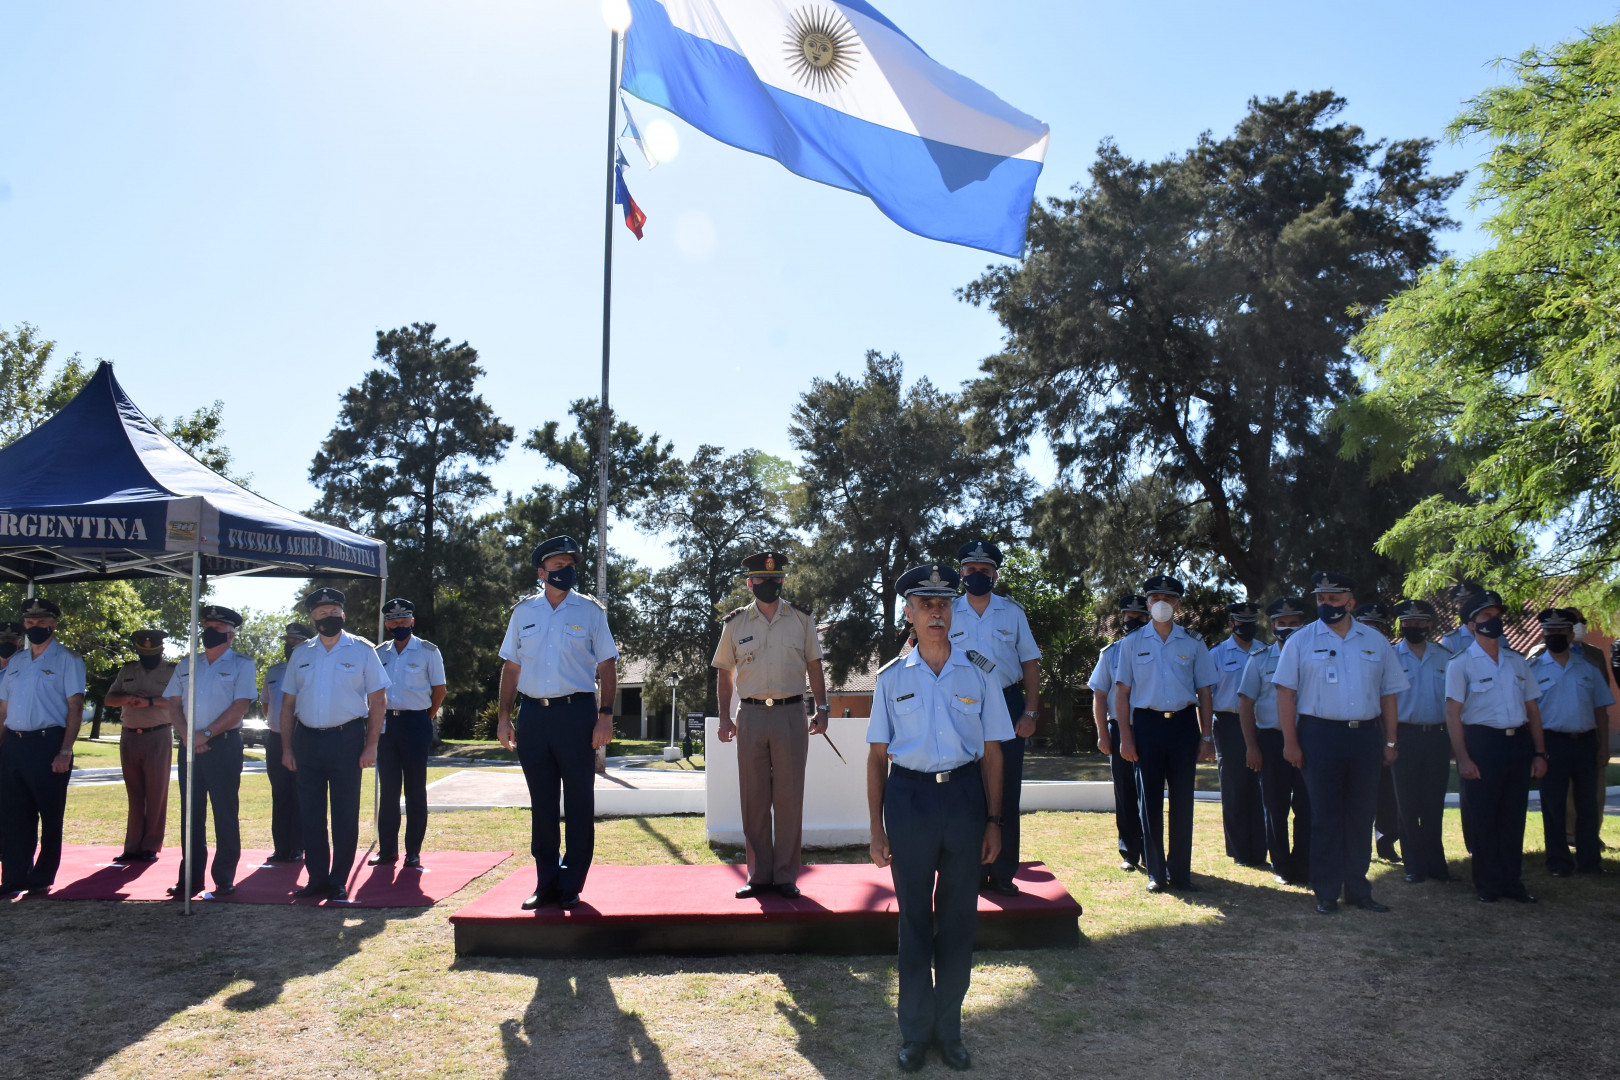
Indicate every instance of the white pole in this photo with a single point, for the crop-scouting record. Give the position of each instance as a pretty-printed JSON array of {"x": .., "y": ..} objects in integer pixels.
[
  {"x": 672, "y": 685},
  {"x": 30, "y": 594},
  {"x": 187, "y": 840},
  {"x": 382, "y": 598}
]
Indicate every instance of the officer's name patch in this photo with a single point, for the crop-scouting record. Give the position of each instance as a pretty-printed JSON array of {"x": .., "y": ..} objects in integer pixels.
[
  {"x": 903, "y": 697},
  {"x": 746, "y": 640}
]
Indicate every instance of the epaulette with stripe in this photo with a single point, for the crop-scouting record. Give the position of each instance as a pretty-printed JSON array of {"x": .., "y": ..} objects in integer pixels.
[
  {"x": 800, "y": 607},
  {"x": 891, "y": 664},
  {"x": 981, "y": 661},
  {"x": 733, "y": 613}
]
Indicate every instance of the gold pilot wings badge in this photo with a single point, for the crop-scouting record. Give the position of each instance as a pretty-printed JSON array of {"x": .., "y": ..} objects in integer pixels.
[{"x": 967, "y": 700}]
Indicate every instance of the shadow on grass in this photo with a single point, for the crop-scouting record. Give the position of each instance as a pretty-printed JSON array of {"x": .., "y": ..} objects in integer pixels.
[{"x": 669, "y": 845}]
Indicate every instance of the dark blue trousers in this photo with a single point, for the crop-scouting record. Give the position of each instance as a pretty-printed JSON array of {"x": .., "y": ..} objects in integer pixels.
[
  {"x": 286, "y": 837},
  {"x": 936, "y": 836},
  {"x": 1243, "y": 815},
  {"x": 1387, "y": 816},
  {"x": 1342, "y": 768},
  {"x": 1166, "y": 756},
  {"x": 554, "y": 748},
  {"x": 1421, "y": 773},
  {"x": 1497, "y": 802},
  {"x": 328, "y": 762},
  {"x": 1282, "y": 791},
  {"x": 1127, "y": 814},
  {"x": 1012, "y": 783},
  {"x": 402, "y": 754},
  {"x": 219, "y": 784},
  {"x": 1571, "y": 759},
  {"x": 35, "y": 801}
]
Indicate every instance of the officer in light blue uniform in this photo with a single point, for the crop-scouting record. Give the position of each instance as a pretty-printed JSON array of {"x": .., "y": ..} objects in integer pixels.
[
  {"x": 1574, "y": 703},
  {"x": 1243, "y": 815},
  {"x": 1458, "y": 642},
  {"x": 1163, "y": 685},
  {"x": 331, "y": 720},
  {"x": 994, "y": 626},
  {"x": 41, "y": 705},
  {"x": 286, "y": 834},
  {"x": 560, "y": 657},
  {"x": 415, "y": 691},
  {"x": 227, "y": 683},
  {"x": 1495, "y": 729},
  {"x": 1423, "y": 768},
  {"x": 1387, "y": 818},
  {"x": 1133, "y": 615},
  {"x": 1282, "y": 786},
  {"x": 933, "y": 789},
  {"x": 1336, "y": 685}
]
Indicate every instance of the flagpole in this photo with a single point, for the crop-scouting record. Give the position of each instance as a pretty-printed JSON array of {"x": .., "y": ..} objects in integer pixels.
[{"x": 603, "y": 422}]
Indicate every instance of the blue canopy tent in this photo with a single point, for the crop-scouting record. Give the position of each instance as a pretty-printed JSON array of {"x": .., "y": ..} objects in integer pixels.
[{"x": 97, "y": 492}]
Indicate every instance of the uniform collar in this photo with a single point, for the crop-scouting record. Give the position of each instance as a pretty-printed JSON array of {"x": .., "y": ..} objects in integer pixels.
[
  {"x": 961, "y": 604},
  {"x": 409, "y": 645},
  {"x": 28, "y": 650},
  {"x": 1175, "y": 628},
  {"x": 1235, "y": 642},
  {"x": 229, "y": 652},
  {"x": 956, "y": 659},
  {"x": 1476, "y": 649},
  {"x": 1546, "y": 656}
]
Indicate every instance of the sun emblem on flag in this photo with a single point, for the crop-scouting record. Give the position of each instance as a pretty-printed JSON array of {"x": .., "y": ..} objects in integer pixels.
[{"x": 821, "y": 48}]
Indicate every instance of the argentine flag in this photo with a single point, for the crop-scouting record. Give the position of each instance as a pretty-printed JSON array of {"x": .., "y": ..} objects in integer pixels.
[{"x": 837, "y": 93}]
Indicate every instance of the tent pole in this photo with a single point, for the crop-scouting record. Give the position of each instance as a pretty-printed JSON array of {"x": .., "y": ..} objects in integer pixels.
[
  {"x": 190, "y": 751},
  {"x": 29, "y": 595},
  {"x": 382, "y": 598}
]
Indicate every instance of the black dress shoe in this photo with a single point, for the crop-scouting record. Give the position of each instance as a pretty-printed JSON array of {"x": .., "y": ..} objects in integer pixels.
[
  {"x": 382, "y": 860},
  {"x": 338, "y": 895},
  {"x": 791, "y": 892},
  {"x": 224, "y": 890},
  {"x": 1488, "y": 898},
  {"x": 312, "y": 892},
  {"x": 912, "y": 1056},
  {"x": 1003, "y": 888},
  {"x": 1184, "y": 886},
  {"x": 1155, "y": 885},
  {"x": 1369, "y": 904},
  {"x": 178, "y": 893},
  {"x": 569, "y": 901},
  {"x": 1327, "y": 907},
  {"x": 1562, "y": 871},
  {"x": 1127, "y": 866},
  {"x": 129, "y": 857},
  {"x": 1389, "y": 856},
  {"x": 1414, "y": 878},
  {"x": 1522, "y": 896},
  {"x": 751, "y": 890},
  {"x": 1445, "y": 877},
  {"x": 147, "y": 856},
  {"x": 413, "y": 862},
  {"x": 956, "y": 1056}
]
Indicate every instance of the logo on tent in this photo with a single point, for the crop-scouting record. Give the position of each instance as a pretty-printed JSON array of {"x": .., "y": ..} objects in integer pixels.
[{"x": 184, "y": 532}]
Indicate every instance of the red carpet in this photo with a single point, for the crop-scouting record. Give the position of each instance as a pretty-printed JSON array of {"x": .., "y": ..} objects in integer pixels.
[
  {"x": 89, "y": 873},
  {"x": 846, "y": 908}
]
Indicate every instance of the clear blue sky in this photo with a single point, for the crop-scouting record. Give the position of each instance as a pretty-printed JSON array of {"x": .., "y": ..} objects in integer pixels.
[{"x": 229, "y": 200}]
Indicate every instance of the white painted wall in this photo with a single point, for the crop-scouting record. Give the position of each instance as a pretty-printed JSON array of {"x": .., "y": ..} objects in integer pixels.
[{"x": 834, "y": 793}]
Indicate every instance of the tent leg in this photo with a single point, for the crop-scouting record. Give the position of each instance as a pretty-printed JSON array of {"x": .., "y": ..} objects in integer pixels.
[
  {"x": 376, "y": 776},
  {"x": 29, "y": 595},
  {"x": 190, "y": 751}
]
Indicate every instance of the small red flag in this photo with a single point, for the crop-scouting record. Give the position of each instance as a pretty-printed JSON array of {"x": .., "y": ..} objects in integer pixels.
[{"x": 634, "y": 219}]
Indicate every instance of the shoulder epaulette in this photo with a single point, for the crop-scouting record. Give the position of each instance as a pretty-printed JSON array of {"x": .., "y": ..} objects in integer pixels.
[
  {"x": 428, "y": 645},
  {"x": 981, "y": 661},
  {"x": 733, "y": 613},
  {"x": 1013, "y": 602},
  {"x": 1447, "y": 649},
  {"x": 598, "y": 601},
  {"x": 795, "y": 605},
  {"x": 887, "y": 666},
  {"x": 362, "y": 639}
]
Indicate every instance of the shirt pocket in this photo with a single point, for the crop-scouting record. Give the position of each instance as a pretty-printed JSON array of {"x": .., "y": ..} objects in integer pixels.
[
  {"x": 906, "y": 706},
  {"x": 528, "y": 644}
]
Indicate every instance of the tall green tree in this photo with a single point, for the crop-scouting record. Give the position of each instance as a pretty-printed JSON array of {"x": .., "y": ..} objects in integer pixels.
[
  {"x": 401, "y": 462},
  {"x": 1503, "y": 369},
  {"x": 1064, "y": 621},
  {"x": 33, "y": 386},
  {"x": 1190, "y": 319},
  {"x": 889, "y": 482}
]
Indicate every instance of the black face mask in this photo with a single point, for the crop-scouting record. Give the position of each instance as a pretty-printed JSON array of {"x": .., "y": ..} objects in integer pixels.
[
  {"x": 1490, "y": 628},
  {"x": 150, "y": 662},
  {"x": 7, "y": 648},
  {"x": 563, "y": 579},
  {"x": 1415, "y": 634},
  {"x": 1330, "y": 613},
  {"x": 977, "y": 583},
  {"x": 39, "y": 635},
  {"x": 1133, "y": 625},
  {"x": 1284, "y": 633},
  {"x": 212, "y": 638},
  {"x": 1557, "y": 643},
  {"x": 331, "y": 626},
  {"x": 767, "y": 592},
  {"x": 1243, "y": 631},
  {"x": 401, "y": 633}
]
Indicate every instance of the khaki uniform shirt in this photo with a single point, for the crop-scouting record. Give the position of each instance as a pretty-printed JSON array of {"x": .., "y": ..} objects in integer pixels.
[
  {"x": 768, "y": 657},
  {"x": 134, "y": 679}
]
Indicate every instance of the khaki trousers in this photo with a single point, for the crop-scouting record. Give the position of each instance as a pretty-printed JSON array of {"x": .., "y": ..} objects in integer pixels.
[
  {"x": 146, "y": 758},
  {"x": 772, "y": 744}
]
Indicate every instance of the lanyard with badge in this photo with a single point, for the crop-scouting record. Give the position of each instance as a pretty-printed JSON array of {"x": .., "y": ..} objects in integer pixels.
[{"x": 1332, "y": 668}]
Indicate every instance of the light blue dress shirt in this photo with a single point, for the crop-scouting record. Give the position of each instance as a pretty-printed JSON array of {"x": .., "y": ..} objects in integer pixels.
[
  {"x": 1339, "y": 678},
  {"x": 1001, "y": 633},
  {"x": 223, "y": 681},
  {"x": 36, "y": 689},
  {"x": 1102, "y": 676},
  {"x": 933, "y": 723},
  {"x": 331, "y": 685},
  {"x": 1458, "y": 640},
  {"x": 1492, "y": 692},
  {"x": 1424, "y": 700},
  {"x": 1571, "y": 693},
  {"x": 1258, "y": 686},
  {"x": 557, "y": 649},
  {"x": 1230, "y": 657},
  {"x": 1164, "y": 676},
  {"x": 412, "y": 674},
  {"x": 272, "y": 695}
]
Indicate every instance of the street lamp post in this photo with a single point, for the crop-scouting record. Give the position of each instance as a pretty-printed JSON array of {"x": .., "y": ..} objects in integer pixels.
[{"x": 672, "y": 752}]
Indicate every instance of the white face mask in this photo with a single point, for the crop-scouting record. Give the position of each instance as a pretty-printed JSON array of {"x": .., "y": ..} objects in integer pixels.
[
  {"x": 1161, "y": 611},
  {"x": 1578, "y": 632}
]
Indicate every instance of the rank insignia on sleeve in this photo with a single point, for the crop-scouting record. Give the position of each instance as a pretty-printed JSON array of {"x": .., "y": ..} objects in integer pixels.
[{"x": 981, "y": 661}]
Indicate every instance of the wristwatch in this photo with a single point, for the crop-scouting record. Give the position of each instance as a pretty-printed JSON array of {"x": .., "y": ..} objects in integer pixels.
[
  {"x": 993, "y": 819},
  {"x": 1032, "y": 714},
  {"x": 1390, "y": 745},
  {"x": 605, "y": 710},
  {"x": 208, "y": 733},
  {"x": 824, "y": 708},
  {"x": 1207, "y": 738}
]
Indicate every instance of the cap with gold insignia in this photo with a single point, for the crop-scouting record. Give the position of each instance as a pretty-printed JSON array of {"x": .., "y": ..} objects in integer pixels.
[
  {"x": 764, "y": 564},
  {"x": 148, "y": 641},
  {"x": 1162, "y": 583},
  {"x": 323, "y": 596},
  {"x": 297, "y": 631},
  {"x": 1415, "y": 609},
  {"x": 1243, "y": 612},
  {"x": 1133, "y": 602},
  {"x": 1332, "y": 581},
  {"x": 1474, "y": 603},
  {"x": 11, "y": 631},
  {"x": 931, "y": 579},
  {"x": 1285, "y": 607},
  {"x": 557, "y": 545},
  {"x": 1557, "y": 618},
  {"x": 1462, "y": 589},
  {"x": 399, "y": 609},
  {"x": 220, "y": 613},
  {"x": 37, "y": 607},
  {"x": 979, "y": 551},
  {"x": 1373, "y": 612}
]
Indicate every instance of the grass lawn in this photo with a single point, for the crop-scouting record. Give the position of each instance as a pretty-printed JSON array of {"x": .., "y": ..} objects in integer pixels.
[{"x": 1241, "y": 979}]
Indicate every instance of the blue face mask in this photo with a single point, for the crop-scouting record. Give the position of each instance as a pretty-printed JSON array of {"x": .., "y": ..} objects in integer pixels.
[
  {"x": 563, "y": 579},
  {"x": 977, "y": 583},
  {"x": 1490, "y": 628},
  {"x": 1330, "y": 613},
  {"x": 1284, "y": 633}
]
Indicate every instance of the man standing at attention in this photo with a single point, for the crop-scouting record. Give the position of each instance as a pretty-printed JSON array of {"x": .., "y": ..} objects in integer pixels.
[
  {"x": 993, "y": 630},
  {"x": 1133, "y": 615},
  {"x": 416, "y": 689},
  {"x": 933, "y": 789},
  {"x": 145, "y": 744},
  {"x": 286, "y": 833},
  {"x": 1424, "y": 767},
  {"x": 1243, "y": 816},
  {"x": 1282, "y": 787},
  {"x": 559, "y": 656},
  {"x": 770, "y": 648},
  {"x": 1574, "y": 706}
]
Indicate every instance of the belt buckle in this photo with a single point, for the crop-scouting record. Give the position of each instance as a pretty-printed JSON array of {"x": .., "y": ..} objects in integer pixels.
[
  {"x": 770, "y": 701},
  {"x": 942, "y": 777},
  {"x": 1510, "y": 732},
  {"x": 545, "y": 701},
  {"x": 1353, "y": 724}
]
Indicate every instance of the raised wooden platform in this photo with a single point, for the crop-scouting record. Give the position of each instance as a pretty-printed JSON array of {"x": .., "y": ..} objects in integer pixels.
[{"x": 846, "y": 909}]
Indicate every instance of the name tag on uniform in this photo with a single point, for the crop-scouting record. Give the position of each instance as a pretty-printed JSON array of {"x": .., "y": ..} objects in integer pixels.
[
  {"x": 903, "y": 697},
  {"x": 746, "y": 640}
]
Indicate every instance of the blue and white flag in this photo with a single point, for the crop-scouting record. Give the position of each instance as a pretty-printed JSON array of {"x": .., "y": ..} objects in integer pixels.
[
  {"x": 837, "y": 93},
  {"x": 633, "y": 133}
]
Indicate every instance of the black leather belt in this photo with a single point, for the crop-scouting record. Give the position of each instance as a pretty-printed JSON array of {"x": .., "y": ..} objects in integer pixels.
[
  {"x": 937, "y": 777},
  {"x": 404, "y": 712},
  {"x": 1506, "y": 733},
  {"x": 334, "y": 727},
  {"x": 1423, "y": 727},
  {"x": 1351, "y": 724},
  {"x": 144, "y": 730},
  {"x": 54, "y": 729},
  {"x": 1160, "y": 714},
  {"x": 581, "y": 695},
  {"x": 794, "y": 700}
]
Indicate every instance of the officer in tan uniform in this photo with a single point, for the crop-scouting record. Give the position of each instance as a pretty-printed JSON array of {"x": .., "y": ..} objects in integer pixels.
[
  {"x": 146, "y": 743},
  {"x": 767, "y": 650}
]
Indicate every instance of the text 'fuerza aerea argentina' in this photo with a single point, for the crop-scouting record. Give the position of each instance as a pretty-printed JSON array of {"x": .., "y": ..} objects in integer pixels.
[{"x": 305, "y": 545}]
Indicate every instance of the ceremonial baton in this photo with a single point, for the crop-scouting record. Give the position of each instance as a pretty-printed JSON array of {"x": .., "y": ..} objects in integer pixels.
[{"x": 824, "y": 735}]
